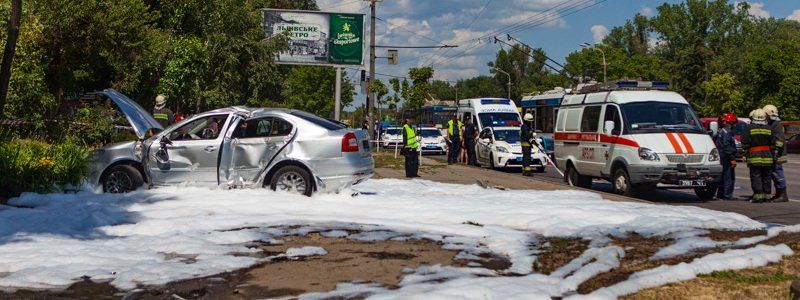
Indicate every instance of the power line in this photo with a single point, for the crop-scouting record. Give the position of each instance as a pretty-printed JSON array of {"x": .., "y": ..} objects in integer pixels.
[
  {"x": 339, "y": 5},
  {"x": 538, "y": 17},
  {"x": 480, "y": 14},
  {"x": 412, "y": 32}
]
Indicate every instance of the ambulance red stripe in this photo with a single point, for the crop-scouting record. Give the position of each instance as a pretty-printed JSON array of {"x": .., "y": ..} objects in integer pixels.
[
  {"x": 594, "y": 137},
  {"x": 686, "y": 143},
  {"x": 674, "y": 143}
]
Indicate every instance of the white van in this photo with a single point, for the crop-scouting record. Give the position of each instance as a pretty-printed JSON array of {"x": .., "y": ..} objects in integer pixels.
[
  {"x": 636, "y": 135},
  {"x": 489, "y": 112}
]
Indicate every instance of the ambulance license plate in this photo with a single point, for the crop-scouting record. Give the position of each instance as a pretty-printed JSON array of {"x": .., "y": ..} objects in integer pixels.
[{"x": 692, "y": 183}]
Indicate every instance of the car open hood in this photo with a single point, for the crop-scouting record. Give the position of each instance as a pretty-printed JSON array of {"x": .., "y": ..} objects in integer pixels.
[{"x": 140, "y": 119}]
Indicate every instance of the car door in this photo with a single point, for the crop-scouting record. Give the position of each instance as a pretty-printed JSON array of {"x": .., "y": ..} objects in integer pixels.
[
  {"x": 483, "y": 144},
  {"x": 591, "y": 152},
  {"x": 189, "y": 153},
  {"x": 254, "y": 144},
  {"x": 607, "y": 142}
]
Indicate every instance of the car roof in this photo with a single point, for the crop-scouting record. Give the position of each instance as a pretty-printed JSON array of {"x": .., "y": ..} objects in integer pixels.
[{"x": 622, "y": 97}]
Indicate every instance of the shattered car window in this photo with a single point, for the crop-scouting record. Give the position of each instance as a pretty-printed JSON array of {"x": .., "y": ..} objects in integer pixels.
[{"x": 206, "y": 128}]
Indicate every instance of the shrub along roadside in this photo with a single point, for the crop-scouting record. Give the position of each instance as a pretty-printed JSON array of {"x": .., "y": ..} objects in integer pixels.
[{"x": 33, "y": 166}]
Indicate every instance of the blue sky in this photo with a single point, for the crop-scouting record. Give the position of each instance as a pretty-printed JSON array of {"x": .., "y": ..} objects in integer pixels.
[{"x": 562, "y": 26}]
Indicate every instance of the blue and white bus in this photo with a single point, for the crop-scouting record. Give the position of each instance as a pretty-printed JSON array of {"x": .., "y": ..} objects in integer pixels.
[{"x": 544, "y": 108}]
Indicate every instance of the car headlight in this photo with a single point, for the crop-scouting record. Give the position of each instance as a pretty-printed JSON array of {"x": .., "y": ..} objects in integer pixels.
[
  {"x": 647, "y": 154},
  {"x": 501, "y": 149},
  {"x": 714, "y": 155}
]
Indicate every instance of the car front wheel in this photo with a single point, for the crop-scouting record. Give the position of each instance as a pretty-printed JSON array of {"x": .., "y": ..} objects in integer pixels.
[
  {"x": 292, "y": 179},
  {"x": 121, "y": 179}
]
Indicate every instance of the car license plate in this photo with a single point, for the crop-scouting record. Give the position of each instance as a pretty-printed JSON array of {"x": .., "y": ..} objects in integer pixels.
[{"x": 692, "y": 183}]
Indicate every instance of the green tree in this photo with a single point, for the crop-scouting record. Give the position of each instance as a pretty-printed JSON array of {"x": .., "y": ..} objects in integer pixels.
[
  {"x": 526, "y": 67},
  {"x": 723, "y": 95},
  {"x": 311, "y": 88},
  {"x": 478, "y": 87},
  {"x": 420, "y": 87},
  {"x": 442, "y": 90}
]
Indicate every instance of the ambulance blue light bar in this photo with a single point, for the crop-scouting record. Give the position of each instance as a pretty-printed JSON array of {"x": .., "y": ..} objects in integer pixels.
[
  {"x": 495, "y": 101},
  {"x": 661, "y": 85}
]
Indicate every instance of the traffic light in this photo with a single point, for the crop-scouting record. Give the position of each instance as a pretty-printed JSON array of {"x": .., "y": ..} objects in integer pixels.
[
  {"x": 363, "y": 75},
  {"x": 392, "y": 57}
]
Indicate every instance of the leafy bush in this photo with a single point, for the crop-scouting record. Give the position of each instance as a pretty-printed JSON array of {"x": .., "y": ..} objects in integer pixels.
[{"x": 33, "y": 166}]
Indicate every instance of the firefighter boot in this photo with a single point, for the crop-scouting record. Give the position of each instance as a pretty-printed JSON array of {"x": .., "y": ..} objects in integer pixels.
[{"x": 780, "y": 196}]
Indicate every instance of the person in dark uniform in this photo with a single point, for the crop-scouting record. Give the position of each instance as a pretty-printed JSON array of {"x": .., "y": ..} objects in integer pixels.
[
  {"x": 454, "y": 139},
  {"x": 727, "y": 155},
  {"x": 410, "y": 149},
  {"x": 470, "y": 134},
  {"x": 161, "y": 113},
  {"x": 758, "y": 140},
  {"x": 526, "y": 140},
  {"x": 778, "y": 176}
]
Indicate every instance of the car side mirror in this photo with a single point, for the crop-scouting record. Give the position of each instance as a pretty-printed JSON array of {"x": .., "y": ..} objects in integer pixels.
[
  {"x": 714, "y": 127},
  {"x": 608, "y": 128},
  {"x": 165, "y": 141}
]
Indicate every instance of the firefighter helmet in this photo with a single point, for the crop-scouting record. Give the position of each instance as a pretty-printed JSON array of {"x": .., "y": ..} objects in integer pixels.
[
  {"x": 759, "y": 115},
  {"x": 771, "y": 110},
  {"x": 730, "y": 118}
]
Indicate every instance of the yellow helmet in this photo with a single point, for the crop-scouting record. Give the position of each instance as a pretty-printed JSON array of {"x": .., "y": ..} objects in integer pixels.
[
  {"x": 758, "y": 115},
  {"x": 528, "y": 117},
  {"x": 771, "y": 110}
]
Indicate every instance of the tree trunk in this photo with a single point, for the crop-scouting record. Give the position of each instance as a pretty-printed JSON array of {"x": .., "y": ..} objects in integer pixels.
[{"x": 8, "y": 53}]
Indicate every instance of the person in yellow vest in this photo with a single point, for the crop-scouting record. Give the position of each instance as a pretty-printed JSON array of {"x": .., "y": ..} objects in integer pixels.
[
  {"x": 453, "y": 139},
  {"x": 759, "y": 142},
  {"x": 410, "y": 149}
]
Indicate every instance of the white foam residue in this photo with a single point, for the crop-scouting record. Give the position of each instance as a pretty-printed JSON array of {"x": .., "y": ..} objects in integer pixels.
[
  {"x": 736, "y": 259},
  {"x": 305, "y": 251},
  {"x": 152, "y": 237}
]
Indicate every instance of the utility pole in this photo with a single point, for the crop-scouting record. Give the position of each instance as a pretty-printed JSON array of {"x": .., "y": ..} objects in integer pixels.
[
  {"x": 337, "y": 103},
  {"x": 509, "y": 80},
  {"x": 370, "y": 95},
  {"x": 595, "y": 48}
]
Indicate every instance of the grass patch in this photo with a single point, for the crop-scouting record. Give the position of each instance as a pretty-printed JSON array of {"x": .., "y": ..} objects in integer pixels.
[{"x": 749, "y": 279}]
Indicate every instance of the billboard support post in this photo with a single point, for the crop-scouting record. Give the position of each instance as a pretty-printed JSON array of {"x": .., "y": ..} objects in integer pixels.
[{"x": 337, "y": 109}]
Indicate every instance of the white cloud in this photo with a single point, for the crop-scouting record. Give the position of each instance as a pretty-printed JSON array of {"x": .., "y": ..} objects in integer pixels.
[
  {"x": 599, "y": 32},
  {"x": 647, "y": 11},
  {"x": 795, "y": 16},
  {"x": 757, "y": 10}
]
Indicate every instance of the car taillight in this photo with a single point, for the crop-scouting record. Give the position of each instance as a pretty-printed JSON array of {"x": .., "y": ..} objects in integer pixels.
[{"x": 349, "y": 142}]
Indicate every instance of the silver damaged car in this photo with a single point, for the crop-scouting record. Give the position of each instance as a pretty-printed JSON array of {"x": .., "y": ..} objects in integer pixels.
[{"x": 234, "y": 147}]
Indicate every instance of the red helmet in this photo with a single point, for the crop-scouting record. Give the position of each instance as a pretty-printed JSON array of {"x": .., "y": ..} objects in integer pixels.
[{"x": 730, "y": 118}]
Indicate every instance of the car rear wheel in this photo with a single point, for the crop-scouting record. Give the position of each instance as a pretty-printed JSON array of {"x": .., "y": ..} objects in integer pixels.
[
  {"x": 121, "y": 179},
  {"x": 292, "y": 179},
  {"x": 576, "y": 179}
]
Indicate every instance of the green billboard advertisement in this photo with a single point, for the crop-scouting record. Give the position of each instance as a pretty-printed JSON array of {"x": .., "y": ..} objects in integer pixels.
[
  {"x": 346, "y": 42},
  {"x": 316, "y": 38}
]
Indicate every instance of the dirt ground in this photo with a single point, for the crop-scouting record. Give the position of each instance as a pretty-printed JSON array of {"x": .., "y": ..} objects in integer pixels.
[{"x": 380, "y": 262}]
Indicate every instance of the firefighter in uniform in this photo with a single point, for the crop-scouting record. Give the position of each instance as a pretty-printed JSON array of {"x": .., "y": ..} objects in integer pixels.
[
  {"x": 727, "y": 152},
  {"x": 454, "y": 138},
  {"x": 759, "y": 141},
  {"x": 778, "y": 177},
  {"x": 527, "y": 142},
  {"x": 161, "y": 113},
  {"x": 410, "y": 149}
]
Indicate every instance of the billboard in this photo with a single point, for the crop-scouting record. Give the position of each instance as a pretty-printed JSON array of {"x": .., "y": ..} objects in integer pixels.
[{"x": 317, "y": 38}]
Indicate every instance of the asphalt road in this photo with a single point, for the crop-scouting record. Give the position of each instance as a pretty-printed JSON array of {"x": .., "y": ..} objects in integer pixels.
[{"x": 780, "y": 213}]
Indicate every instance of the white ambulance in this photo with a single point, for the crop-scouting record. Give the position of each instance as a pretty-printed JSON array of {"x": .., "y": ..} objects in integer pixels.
[{"x": 636, "y": 135}]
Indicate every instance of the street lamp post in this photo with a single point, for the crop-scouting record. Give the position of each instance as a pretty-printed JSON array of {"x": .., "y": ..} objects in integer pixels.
[
  {"x": 595, "y": 48},
  {"x": 509, "y": 80}
]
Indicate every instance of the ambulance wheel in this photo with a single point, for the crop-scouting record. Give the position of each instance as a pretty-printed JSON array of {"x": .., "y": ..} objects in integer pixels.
[
  {"x": 621, "y": 183},
  {"x": 707, "y": 192},
  {"x": 574, "y": 178}
]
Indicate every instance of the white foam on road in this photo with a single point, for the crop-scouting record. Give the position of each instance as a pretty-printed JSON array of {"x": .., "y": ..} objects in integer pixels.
[{"x": 142, "y": 238}]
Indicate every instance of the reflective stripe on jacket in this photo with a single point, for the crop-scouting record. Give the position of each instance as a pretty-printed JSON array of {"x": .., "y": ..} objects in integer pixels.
[
  {"x": 758, "y": 140},
  {"x": 410, "y": 137}
]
